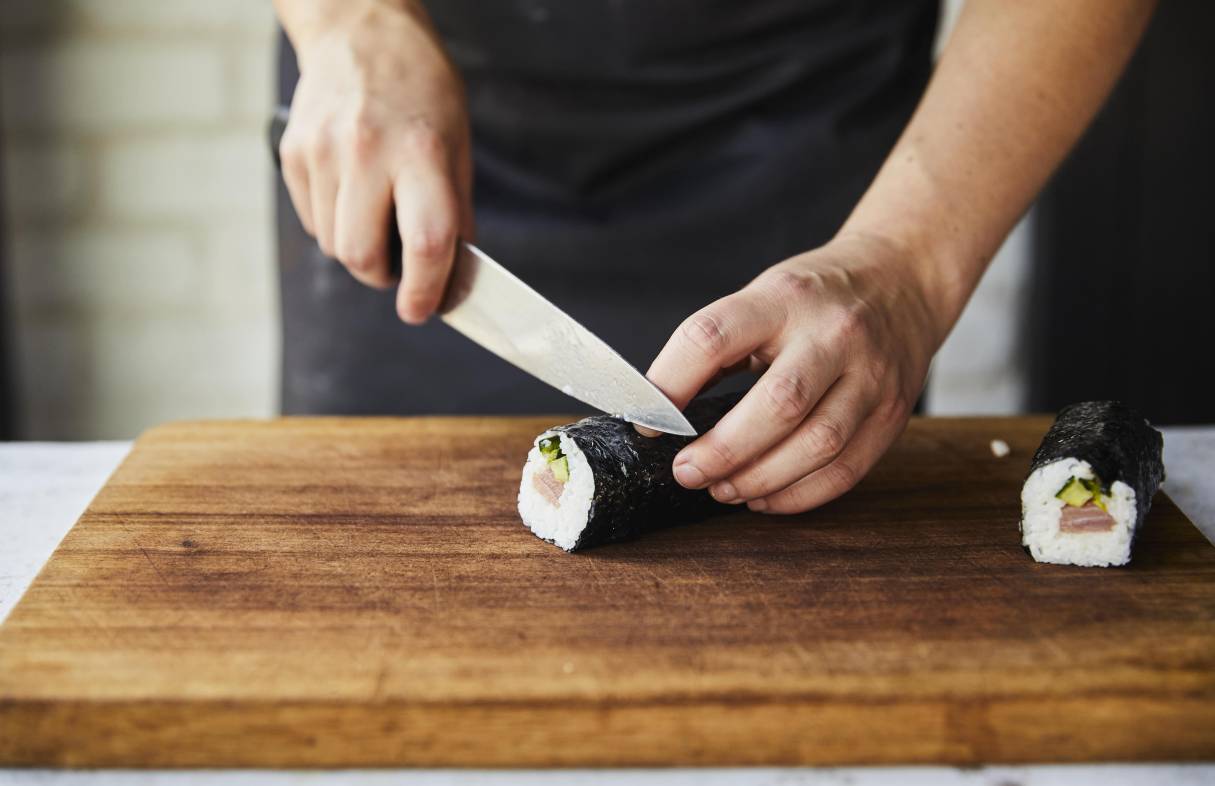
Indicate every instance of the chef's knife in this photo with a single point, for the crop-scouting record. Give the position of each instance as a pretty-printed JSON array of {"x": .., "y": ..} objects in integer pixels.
[{"x": 494, "y": 308}]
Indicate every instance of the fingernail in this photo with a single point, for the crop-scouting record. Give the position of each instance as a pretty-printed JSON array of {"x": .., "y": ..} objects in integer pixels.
[
  {"x": 646, "y": 432},
  {"x": 758, "y": 505},
  {"x": 689, "y": 476},
  {"x": 724, "y": 492}
]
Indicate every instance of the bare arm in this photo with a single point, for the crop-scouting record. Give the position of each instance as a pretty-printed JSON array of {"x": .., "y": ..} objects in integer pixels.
[
  {"x": 846, "y": 331},
  {"x": 1016, "y": 86},
  {"x": 378, "y": 119}
]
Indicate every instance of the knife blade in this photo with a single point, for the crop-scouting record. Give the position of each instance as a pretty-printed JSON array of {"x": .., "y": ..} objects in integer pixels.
[
  {"x": 493, "y": 307},
  {"x": 497, "y": 310}
]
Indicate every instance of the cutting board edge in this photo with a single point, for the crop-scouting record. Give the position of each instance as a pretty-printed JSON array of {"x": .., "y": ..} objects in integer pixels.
[{"x": 144, "y": 734}]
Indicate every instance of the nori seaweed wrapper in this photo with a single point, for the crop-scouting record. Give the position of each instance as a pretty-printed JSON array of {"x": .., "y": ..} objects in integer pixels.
[
  {"x": 1116, "y": 441},
  {"x": 635, "y": 492}
]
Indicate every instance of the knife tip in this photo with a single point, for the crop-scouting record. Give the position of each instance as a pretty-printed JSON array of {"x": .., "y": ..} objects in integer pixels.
[{"x": 658, "y": 429}]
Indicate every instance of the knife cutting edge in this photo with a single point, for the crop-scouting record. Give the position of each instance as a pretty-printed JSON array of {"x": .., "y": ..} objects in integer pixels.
[{"x": 495, "y": 309}]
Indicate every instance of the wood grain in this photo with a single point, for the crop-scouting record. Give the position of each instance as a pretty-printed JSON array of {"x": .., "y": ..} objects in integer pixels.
[{"x": 329, "y": 592}]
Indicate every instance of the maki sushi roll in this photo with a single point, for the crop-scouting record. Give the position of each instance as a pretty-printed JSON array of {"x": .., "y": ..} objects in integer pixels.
[
  {"x": 598, "y": 481},
  {"x": 1090, "y": 485}
]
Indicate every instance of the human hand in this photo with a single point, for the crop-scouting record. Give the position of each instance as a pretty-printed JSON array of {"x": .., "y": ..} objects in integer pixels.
[
  {"x": 846, "y": 333},
  {"x": 379, "y": 119}
]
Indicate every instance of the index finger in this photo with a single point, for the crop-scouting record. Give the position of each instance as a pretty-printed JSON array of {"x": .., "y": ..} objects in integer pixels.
[
  {"x": 714, "y": 338},
  {"x": 428, "y": 220},
  {"x": 774, "y": 407}
]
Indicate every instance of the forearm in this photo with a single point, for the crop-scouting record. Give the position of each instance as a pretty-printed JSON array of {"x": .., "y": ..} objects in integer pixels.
[{"x": 1015, "y": 87}]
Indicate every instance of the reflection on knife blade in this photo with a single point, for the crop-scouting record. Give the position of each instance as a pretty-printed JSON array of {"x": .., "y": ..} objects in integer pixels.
[{"x": 494, "y": 308}]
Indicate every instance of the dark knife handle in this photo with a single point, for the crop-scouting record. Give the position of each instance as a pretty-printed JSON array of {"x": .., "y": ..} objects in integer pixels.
[{"x": 278, "y": 125}]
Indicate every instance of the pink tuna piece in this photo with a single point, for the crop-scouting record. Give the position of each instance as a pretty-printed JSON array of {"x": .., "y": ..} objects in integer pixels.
[
  {"x": 1088, "y": 518},
  {"x": 549, "y": 487}
]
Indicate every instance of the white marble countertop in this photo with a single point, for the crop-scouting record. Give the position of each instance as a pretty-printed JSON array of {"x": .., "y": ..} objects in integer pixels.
[{"x": 45, "y": 487}]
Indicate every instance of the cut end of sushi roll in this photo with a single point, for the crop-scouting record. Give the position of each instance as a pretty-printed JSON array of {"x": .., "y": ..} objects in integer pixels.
[
  {"x": 1090, "y": 485},
  {"x": 599, "y": 481},
  {"x": 1069, "y": 518},
  {"x": 557, "y": 489}
]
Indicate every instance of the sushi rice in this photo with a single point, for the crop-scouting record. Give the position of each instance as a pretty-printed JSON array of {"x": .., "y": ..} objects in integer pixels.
[
  {"x": 1042, "y": 510},
  {"x": 562, "y": 524}
]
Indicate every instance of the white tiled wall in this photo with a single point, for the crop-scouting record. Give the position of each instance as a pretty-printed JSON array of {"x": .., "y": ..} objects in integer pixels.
[
  {"x": 139, "y": 214},
  {"x": 139, "y": 211}
]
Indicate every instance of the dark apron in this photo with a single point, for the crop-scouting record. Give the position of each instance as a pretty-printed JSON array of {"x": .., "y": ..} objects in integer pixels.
[{"x": 635, "y": 160}]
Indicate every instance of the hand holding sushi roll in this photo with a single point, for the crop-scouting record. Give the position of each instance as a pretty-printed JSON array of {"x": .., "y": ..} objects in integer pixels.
[
  {"x": 378, "y": 119},
  {"x": 846, "y": 334}
]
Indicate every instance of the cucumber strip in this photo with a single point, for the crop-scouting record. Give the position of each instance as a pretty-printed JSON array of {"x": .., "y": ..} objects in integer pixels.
[
  {"x": 1075, "y": 493},
  {"x": 550, "y": 447},
  {"x": 561, "y": 469},
  {"x": 1078, "y": 492}
]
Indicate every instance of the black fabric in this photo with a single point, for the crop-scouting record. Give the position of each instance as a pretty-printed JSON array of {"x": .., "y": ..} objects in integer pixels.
[
  {"x": 1124, "y": 244},
  {"x": 634, "y": 160}
]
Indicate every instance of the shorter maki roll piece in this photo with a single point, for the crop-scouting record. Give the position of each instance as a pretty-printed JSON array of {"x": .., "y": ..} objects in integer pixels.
[
  {"x": 598, "y": 481},
  {"x": 1090, "y": 485}
]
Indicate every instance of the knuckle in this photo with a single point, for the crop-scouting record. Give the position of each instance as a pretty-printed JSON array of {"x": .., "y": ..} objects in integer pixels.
[
  {"x": 824, "y": 439},
  {"x": 422, "y": 139},
  {"x": 745, "y": 485},
  {"x": 430, "y": 245},
  {"x": 416, "y": 304},
  {"x": 841, "y": 476},
  {"x": 362, "y": 138},
  {"x": 787, "y": 396},
  {"x": 355, "y": 258},
  {"x": 291, "y": 151},
  {"x": 420, "y": 301},
  {"x": 755, "y": 481},
  {"x": 706, "y": 332},
  {"x": 848, "y": 324},
  {"x": 320, "y": 149},
  {"x": 895, "y": 409},
  {"x": 722, "y": 455},
  {"x": 783, "y": 281},
  {"x": 374, "y": 278},
  {"x": 854, "y": 322}
]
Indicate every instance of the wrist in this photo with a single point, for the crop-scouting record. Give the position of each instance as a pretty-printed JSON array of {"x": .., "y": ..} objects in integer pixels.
[
  {"x": 312, "y": 28},
  {"x": 918, "y": 266}
]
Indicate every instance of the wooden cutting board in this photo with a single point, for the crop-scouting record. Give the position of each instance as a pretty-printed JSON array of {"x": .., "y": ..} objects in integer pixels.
[{"x": 327, "y": 592}]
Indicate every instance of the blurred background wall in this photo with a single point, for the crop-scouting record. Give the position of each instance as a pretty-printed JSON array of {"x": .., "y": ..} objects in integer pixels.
[{"x": 140, "y": 281}]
